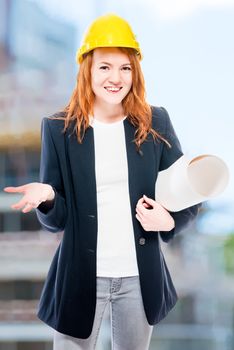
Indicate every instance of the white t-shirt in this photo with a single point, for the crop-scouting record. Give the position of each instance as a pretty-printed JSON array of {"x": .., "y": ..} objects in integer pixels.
[{"x": 116, "y": 254}]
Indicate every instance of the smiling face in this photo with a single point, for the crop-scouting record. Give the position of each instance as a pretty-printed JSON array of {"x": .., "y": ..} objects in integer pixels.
[{"x": 111, "y": 75}]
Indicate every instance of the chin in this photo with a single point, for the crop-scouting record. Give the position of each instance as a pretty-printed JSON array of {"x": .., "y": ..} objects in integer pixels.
[{"x": 113, "y": 101}]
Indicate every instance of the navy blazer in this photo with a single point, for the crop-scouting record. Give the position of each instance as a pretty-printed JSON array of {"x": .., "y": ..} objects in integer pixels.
[{"x": 68, "y": 298}]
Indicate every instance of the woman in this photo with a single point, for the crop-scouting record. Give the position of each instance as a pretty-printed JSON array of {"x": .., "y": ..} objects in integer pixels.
[{"x": 99, "y": 163}]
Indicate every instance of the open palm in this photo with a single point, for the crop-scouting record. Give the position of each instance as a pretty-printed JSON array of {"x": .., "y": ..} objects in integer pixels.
[{"x": 33, "y": 194}]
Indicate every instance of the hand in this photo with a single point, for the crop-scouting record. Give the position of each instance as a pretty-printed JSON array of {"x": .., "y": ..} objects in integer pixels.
[
  {"x": 34, "y": 194},
  {"x": 155, "y": 219}
]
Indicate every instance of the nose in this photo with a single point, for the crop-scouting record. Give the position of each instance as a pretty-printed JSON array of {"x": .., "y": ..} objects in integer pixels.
[{"x": 115, "y": 77}]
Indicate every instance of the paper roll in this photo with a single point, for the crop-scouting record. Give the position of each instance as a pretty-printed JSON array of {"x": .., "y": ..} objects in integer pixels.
[{"x": 191, "y": 181}]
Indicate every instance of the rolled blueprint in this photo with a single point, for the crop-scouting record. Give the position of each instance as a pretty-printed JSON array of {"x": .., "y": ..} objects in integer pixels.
[{"x": 191, "y": 181}]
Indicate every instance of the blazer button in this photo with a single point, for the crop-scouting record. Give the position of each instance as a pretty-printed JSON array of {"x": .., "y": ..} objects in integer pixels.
[
  {"x": 91, "y": 216},
  {"x": 142, "y": 241}
]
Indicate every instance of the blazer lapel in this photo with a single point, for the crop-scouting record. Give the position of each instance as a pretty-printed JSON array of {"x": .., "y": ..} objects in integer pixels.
[
  {"x": 82, "y": 164},
  {"x": 141, "y": 170}
]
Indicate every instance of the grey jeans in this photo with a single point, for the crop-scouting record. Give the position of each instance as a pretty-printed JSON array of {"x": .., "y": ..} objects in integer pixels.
[{"x": 129, "y": 326}]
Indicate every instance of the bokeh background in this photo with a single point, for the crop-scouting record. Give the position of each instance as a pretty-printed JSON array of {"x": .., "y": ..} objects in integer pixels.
[{"x": 188, "y": 50}]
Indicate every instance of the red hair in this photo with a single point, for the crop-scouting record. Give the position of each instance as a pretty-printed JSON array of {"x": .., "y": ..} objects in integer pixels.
[{"x": 138, "y": 111}]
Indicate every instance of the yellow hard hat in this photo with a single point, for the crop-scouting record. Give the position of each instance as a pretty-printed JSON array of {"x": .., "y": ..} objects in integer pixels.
[{"x": 108, "y": 31}]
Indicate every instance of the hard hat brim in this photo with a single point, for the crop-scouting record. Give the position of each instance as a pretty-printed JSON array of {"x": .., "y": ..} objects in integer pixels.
[{"x": 84, "y": 50}]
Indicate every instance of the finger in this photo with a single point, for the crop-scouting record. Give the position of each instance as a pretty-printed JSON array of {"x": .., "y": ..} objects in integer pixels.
[
  {"x": 27, "y": 208},
  {"x": 19, "y": 204},
  {"x": 146, "y": 205},
  {"x": 15, "y": 189},
  {"x": 140, "y": 207},
  {"x": 149, "y": 200},
  {"x": 140, "y": 201},
  {"x": 138, "y": 217},
  {"x": 141, "y": 222},
  {"x": 140, "y": 214},
  {"x": 34, "y": 204}
]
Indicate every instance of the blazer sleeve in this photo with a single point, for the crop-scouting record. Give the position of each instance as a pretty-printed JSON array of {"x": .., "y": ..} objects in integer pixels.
[
  {"x": 51, "y": 214},
  {"x": 185, "y": 217}
]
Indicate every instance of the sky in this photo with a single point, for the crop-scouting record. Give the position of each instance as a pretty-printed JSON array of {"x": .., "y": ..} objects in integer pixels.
[{"x": 188, "y": 51}]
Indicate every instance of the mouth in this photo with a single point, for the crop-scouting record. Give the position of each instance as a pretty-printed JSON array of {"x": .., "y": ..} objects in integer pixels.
[{"x": 113, "y": 90}]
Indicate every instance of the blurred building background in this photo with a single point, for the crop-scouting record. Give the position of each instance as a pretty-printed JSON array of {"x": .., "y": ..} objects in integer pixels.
[
  {"x": 188, "y": 66},
  {"x": 37, "y": 73}
]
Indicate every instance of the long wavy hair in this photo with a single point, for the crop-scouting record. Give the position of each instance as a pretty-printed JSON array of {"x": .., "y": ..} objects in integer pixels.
[{"x": 135, "y": 107}]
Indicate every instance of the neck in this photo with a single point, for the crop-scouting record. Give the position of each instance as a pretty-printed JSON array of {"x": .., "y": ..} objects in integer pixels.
[{"x": 108, "y": 113}]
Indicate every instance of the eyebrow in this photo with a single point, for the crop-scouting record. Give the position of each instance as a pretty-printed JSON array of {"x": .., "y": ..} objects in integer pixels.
[{"x": 109, "y": 64}]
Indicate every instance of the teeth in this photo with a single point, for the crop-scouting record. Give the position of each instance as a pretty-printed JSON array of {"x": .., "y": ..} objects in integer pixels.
[{"x": 113, "y": 89}]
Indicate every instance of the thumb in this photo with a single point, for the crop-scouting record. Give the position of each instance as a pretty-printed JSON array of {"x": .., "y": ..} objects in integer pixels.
[{"x": 149, "y": 200}]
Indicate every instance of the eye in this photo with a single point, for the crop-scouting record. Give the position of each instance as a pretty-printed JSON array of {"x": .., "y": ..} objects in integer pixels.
[
  {"x": 127, "y": 68},
  {"x": 104, "y": 67}
]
